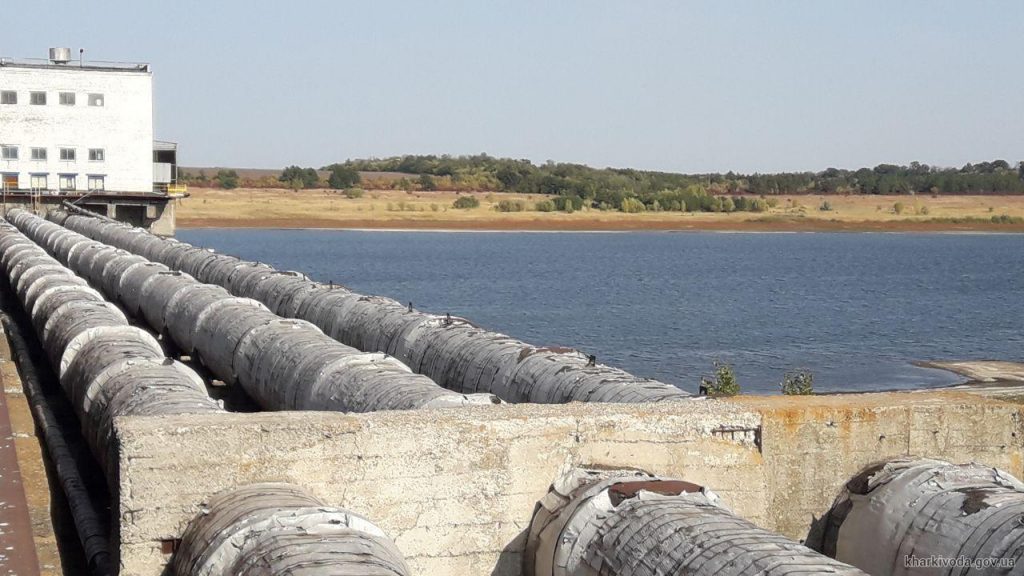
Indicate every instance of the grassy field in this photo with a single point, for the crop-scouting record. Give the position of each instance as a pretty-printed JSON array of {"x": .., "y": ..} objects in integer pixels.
[{"x": 209, "y": 208}]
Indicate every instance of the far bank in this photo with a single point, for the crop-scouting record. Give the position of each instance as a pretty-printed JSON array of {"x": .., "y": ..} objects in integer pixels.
[{"x": 389, "y": 209}]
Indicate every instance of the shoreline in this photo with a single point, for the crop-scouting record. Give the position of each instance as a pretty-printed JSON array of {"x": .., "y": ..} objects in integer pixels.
[
  {"x": 981, "y": 371},
  {"x": 583, "y": 226},
  {"x": 398, "y": 210}
]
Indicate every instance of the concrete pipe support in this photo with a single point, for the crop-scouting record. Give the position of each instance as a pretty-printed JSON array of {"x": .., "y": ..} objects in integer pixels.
[
  {"x": 273, "y": 528},
  {"x": 897, "y": 517},
  {"x": 626, "y": 523},
  {"x": 454, "y": 353}
]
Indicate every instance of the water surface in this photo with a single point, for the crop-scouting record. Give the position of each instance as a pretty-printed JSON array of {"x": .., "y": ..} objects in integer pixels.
[{"x": 856, "y": 309}]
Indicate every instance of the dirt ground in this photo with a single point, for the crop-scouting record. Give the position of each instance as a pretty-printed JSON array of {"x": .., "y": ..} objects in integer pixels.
[{"x": 261, "y": 208}]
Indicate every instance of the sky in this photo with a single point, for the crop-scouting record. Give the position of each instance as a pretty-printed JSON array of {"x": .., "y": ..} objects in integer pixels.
[{"x": 748, "y": 86}]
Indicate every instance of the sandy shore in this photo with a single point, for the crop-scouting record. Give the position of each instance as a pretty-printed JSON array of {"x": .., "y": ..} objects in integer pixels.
[
  {"x": 988, "y": 371},
  {"x": 990, "y": 378},
  {"x": 397, "y": 210}
]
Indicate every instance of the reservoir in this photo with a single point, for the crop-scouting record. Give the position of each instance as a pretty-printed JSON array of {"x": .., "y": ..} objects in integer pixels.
[{"x": 855, "y": 309}]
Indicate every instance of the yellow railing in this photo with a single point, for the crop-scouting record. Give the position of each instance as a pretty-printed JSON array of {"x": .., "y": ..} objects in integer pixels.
[{"x": 177, "y": 188}]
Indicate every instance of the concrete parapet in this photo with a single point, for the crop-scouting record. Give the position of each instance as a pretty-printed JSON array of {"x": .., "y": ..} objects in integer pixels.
[
  {"x": 813, "y": 442},
  {"x": 457, "y": 488}
]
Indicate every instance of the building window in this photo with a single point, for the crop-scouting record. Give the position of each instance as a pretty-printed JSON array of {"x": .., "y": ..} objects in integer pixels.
[
  {"x": 96, "y": 183},
  {"x": 9, "y": 152},
  {"x": 8, "y": 97},
  {"x": 39, "y": 153},
  {"x": 67, "y": 181},
  {"x": 10, "y": 181},
  {"x": 37, "y": 98},
  {"x": 96, "y": 154},
  {"x": 67, "y": 98},
  {"x": 38, "y": 182},
  {"x": 68, "y": 154},
  {"x": 95, "y": 99}
]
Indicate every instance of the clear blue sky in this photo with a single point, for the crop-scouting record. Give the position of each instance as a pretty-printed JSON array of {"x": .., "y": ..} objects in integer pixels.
[{"x": 667, "y": 85}]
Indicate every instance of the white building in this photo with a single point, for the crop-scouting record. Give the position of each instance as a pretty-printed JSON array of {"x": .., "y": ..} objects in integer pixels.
[{"x": 73, "y": 127}]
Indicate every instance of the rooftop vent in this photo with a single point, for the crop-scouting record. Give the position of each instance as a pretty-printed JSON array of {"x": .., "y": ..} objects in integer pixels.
[{"x": 60, "y": 55}]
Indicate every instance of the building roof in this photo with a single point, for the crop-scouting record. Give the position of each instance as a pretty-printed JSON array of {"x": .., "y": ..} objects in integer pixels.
[{"x": 94, "y": 66}]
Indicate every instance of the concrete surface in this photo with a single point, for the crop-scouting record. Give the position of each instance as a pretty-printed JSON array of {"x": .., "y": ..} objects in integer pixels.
[
  {"x": 17, "y": 545},
  {"x": 456, "y": 488},
  {"x": 45, "y": 509}
]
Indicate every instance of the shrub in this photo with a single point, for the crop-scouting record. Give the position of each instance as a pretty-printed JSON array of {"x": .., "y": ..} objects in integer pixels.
[
  {"x": 898, "y": 207},
  {"x": 723, "y": 383},
  {"x": 568, "y": 204},
  {"x": 757, "y": 205},
  {"x": 427, "y": 183},
  {"x": 923, "y": 210},
  {"x": 228, "y": 179},
  {"x": 799, "y": 383},
  {"x": 826, "y": 206},
  {"x": 353, "y": 193},
  {"x": 1007, "y": 219},
  {"x": 544, "y": 206},
  {"x": 510, "y": 206},
  {"x": 466, "y": 202},
  {"x": 632, "y": 206},
  {"x": 434, "y": 207}
]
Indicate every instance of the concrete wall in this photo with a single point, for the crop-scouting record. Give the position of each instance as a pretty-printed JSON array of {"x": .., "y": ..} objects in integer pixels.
[
  {"x": 157, "y": 214},
  {"x": 122, "y": 127},
  {"x": 456, "y": 488}
]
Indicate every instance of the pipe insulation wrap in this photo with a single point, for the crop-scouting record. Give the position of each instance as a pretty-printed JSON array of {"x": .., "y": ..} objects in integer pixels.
[
  {"x": 106, "y": 368},
  {"x": 274, "y": 528},
  {"x": 619, "y": 523},
  {"x": 283, "y": 364},
  {"x": 893, "y": 511},
  {"x": 454, "y": 353}
]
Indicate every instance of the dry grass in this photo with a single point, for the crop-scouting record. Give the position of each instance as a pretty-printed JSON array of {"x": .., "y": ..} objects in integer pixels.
[{"x": 398, "y": 209}]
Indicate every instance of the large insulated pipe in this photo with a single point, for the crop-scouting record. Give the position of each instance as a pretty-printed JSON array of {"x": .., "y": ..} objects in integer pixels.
[
  {"x": 273, "y": 528},
  {"x": 918, "y": 516},
  {"x": 628, "y": 523},
  {"x": 105, "y": 367},
  {"x": 282, "y": 364},
  {"x": 451, "y": 351}
]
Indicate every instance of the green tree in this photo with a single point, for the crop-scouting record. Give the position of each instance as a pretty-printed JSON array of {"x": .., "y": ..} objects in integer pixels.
[
  {"x": 427, "y": 183},
  {"x": 227, "y": 179},
  {"x": 342, "y": 177},
  {"x": 297, "y": 177}
]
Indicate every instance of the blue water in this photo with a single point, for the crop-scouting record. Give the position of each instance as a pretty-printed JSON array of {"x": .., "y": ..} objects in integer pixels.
[{"x": 855, "y": 309}]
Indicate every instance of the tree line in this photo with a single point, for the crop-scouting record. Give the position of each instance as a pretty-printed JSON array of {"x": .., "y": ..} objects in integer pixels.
[{"x": 572, "y": 186}]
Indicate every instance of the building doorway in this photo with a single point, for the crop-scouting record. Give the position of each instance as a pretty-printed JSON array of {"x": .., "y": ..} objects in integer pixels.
[{"x": 10, "y": 181}]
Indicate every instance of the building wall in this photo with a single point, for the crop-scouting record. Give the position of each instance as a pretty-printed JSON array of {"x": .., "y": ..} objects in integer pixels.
[
  {"x": 456, "y": 488},
  {"x": 122, "y": 127}
]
